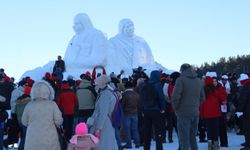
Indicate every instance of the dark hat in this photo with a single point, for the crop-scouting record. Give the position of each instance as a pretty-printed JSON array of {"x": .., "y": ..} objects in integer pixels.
[{"x": 85, "y": 77}]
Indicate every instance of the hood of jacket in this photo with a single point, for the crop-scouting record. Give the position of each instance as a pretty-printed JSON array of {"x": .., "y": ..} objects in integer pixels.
[
  {"x": 155, "y": 76},
  {"x": 84, "y": 83},
  {"x": 189, "y": 73}
]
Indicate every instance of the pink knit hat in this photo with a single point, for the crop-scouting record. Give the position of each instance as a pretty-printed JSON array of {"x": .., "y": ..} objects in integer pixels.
[{"x": 81, "y": 129}]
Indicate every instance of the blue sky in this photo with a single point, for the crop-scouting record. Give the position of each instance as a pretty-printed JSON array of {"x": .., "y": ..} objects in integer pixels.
[{"x": 194, "y": 31}]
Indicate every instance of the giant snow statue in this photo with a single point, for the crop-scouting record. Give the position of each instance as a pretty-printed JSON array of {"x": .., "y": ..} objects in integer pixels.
[
  {"x": 129, "y": 49},
  {"x": 87, "y": 47}
]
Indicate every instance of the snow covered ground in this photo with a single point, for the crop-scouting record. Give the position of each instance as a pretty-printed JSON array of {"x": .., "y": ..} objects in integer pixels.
[{"x": 234, "y": 142}]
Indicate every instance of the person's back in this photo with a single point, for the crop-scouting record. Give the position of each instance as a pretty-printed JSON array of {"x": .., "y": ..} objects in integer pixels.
[
  {"x": 83, "y": 143},
  {"x": 86, "y": 95},
  {"x": 187, "y": 96},
  {"x": 82, "y": 140}
]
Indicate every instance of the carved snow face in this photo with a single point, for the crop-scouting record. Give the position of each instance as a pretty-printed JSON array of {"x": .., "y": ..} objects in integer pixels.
[
  {"x": 78, "y": 26},
  {"x": 82, "y": 23},
  {"x": 128, "y": 29}
]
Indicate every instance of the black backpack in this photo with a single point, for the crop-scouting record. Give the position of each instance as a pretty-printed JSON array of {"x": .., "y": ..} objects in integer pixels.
[{"x": 148, "y": 94}]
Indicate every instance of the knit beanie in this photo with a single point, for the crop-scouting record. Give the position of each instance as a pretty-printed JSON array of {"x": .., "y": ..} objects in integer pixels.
[{"x": 81, "y": 129}]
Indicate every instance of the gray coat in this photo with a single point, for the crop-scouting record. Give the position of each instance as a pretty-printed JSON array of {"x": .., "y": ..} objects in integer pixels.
[
  {"x": 188, "y": 94},
  {"x": 40, "y": 117},
  {"x": 103, "y": 109},
  {"x": 86, "y": 99}
]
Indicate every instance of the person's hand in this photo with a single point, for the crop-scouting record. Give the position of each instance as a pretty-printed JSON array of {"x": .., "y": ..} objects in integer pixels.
[
  {"x": 97, "y": 133},
  {"x": 162, "y": 111}
]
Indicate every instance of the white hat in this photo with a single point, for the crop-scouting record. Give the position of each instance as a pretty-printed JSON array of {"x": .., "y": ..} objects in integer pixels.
[
  {"x": 243, "y": 76},
  {"x": 211, "y": 74},
  {"x": 224, "y": 77}
]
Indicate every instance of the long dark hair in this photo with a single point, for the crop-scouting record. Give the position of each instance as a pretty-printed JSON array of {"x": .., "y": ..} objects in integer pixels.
[{"x": 208, "y": 89}]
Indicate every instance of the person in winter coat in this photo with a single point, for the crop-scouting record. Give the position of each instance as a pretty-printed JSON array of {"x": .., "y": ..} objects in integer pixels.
[
  {"x": 82, "y": 140},
  {"x": 100, "y": 122},
  {"x": 130, "y": 100},
  {"x": 21, "y": 102},
  {"x": 171, "y": 117},
  {"x": 3, "y": 118},
  {"x": 153, "y": 106},
  {"x": 16, "y": 93},
  {"x": 86, "y": 95},
  {"x": 41, "y": 116},
  {"x": 67, "y": 102},
  {"x": 244, "y": 106},
  {"x": 186, "y": 99},
  {"x": 6, "y": 87},
  {"x": 210, "y": 111}
]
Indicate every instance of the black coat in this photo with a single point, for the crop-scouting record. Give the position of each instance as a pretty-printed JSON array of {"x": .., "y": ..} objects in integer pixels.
[
  {"x": 5, "y": 90},
  {"x": 244, "y": 99}
]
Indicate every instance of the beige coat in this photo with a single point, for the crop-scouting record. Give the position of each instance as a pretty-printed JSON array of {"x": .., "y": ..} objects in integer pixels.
[{"x": 40, "y": 116}]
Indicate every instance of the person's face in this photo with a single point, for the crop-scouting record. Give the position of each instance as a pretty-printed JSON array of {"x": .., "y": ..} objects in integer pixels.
[
  {"x": 215, "y": 83},
  {"x": 224, "y": 81},
  {"x": 78, "y": 27},
  {"x": 128, "y": 29}
]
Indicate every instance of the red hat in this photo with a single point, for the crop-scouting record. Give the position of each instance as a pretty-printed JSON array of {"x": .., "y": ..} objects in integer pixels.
[
  {"x": 30, "y": 82},
  {"x": 208, "y": 80},
  {"x": 78, "y": 82},
  {"x": 47, "y": 75},
  {"x": 7, "y": 79},
  {"x": 27, "y": 90},
  {"x": 88, "y": 73}
]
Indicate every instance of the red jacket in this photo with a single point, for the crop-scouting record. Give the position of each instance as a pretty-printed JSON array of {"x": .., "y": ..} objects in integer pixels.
[
  {"x": 211, "y": 107},
  {"x": 67, "y": 100},
  {"x": 170, "y": 91}
]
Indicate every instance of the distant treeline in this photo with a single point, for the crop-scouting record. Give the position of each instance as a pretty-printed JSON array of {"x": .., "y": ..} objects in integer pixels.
[{"x": 232, "y": 65}]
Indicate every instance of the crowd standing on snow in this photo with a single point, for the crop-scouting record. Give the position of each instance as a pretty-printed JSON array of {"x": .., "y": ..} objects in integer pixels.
[{"x": 101, "y": 111}]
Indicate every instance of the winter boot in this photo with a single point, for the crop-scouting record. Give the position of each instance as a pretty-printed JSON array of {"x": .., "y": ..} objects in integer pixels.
[
  {"x": 216, "y": 145},
  {"x": 210, "y": 145}
]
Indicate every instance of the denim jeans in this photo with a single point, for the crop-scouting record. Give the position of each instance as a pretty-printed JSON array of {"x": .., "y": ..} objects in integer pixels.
[
  {"x": 187, "y": 130},
  {"x": 130, "y": 124},
  {"x": 117, "y": 137},
  {"x": 23, "y": 135}
]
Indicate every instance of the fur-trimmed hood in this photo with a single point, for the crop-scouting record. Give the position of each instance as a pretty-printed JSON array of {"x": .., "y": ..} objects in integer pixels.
[{"x": 42, "y": 90}]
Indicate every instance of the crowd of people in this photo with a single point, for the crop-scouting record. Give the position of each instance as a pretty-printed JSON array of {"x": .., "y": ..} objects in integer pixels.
[{"x": 103, "y": 111}]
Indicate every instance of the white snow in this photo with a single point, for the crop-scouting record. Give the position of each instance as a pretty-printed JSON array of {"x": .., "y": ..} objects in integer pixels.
[
  {"x": 89, "y": 48},
  {"x": 234, "y": 142}
]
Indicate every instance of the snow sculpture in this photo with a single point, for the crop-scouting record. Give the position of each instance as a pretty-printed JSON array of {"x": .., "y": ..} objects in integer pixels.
[
  {"x": 87, "y": 47},
  {"x": 129, "y": 49}
]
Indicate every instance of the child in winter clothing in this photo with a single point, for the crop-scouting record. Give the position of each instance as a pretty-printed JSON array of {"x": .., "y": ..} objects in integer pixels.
[{"x": 82, "y": 140}]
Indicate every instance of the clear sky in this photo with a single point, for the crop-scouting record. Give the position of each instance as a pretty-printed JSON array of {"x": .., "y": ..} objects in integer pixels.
[{"x": 194, "y": 31}]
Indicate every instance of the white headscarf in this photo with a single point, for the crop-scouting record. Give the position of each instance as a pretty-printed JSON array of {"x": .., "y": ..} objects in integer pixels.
[{"x": 102, "y": 81}]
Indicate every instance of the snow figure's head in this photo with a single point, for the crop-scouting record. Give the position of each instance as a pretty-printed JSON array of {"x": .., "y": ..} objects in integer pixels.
[
  {"x": 126, "y": 27},
  {"x": 81, "y": 23}
]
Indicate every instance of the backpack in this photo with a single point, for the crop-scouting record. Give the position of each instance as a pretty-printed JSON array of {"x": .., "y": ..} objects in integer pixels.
[
  {"x": 117, "y": 114},
  {"x": 148, "y": 94}
]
